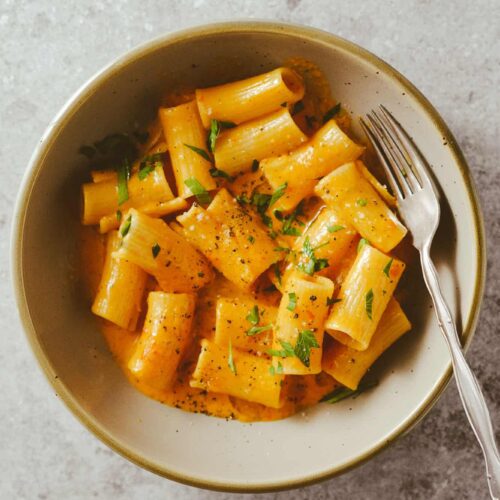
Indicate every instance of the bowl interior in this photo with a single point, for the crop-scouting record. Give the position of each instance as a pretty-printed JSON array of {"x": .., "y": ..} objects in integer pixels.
[{"x": 196, "y": 448}]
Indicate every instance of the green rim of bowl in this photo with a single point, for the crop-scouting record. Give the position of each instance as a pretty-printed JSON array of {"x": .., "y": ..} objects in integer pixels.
[{"x": 75, "y": 102}]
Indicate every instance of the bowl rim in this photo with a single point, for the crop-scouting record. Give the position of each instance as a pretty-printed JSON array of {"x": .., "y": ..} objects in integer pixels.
[{"x": 90, "y": 87}]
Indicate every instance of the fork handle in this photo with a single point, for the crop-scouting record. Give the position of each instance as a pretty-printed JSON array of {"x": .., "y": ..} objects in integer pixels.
[{"x": 468, "y": 386}]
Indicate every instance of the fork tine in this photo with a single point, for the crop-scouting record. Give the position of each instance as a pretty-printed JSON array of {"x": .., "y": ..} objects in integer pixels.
[
  {"x": 399, "y": 152},
  {"x": 393, "y": 161},
  {"x": 418, "y": 162},
  {"x": 383, "y": 160}
]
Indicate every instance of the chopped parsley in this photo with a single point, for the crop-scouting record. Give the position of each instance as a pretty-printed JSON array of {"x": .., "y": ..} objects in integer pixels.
[
  {"x": 369, "y": 303},
  {"x": 126, "y": 226},
  {"x": 361, "y": 202},
  {"x": 362, "y": 243},
  {"x": 387, "y": 268},
  {"x": 280, "y": 191},
  {"x": 333, "y": 111},
  {"x": 251, "y": 239},
  {"x": 230, "y": 359},
  {"x": 215, "y": 128},
  {"x": 312, "y": 264},
  {"x": 118, "y": 215},
  {"x": 149, "y": 164},
  {"x": 330, "y": 301},
  {"x": 282, "y": 249},
  {"x": 259, "y": 329},
  {"x": 276, "y": 371},
  {"x": 286, "y": 352},
  {"x": 335, "y": 228},
  {"x": 155, "y": 250},
  {"x": 199, "y": 151},
  {"x": 123, "y": 173},
  {"x": 344, "y": 392},
  {"x": 253, "y": 315},
  {"x": 292, "y": 301},
  {"x": 305, "y": 343},
  {"x": 287, "y": 227},
  {"x": 277, "y": 272},
  {"x": 215, "y": 172},
  {"x": 202, "y": 195}
]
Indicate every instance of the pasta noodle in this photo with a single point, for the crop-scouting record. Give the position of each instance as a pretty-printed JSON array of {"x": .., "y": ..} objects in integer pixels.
[
  {"x": 348, "y": 365},
  {"x": 363, "y": 297},
  {"x": 244, "y": 100},
  {"x": 164, "y": 340}
]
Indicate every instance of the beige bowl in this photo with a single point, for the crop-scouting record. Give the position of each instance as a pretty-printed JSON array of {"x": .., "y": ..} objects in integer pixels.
[{"x": 196, "y": 449}]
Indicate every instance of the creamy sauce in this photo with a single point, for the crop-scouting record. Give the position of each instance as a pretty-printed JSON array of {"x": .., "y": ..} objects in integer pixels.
[{"x": 298, "y": 392}]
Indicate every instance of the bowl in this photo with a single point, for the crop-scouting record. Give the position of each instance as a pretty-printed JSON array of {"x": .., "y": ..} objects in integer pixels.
[{"x": 192, "y": 448}]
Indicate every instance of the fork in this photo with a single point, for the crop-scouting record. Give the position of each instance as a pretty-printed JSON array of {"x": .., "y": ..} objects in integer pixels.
[{"x": 408, "y": 174}]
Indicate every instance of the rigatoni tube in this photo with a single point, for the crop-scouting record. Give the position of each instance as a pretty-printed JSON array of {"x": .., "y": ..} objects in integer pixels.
[
  {"x": 153, "y": 246},
  {"x": 164, "y": 339},
  {"x": 244, "y": 100},
  {"x": 121, "y": 288},
  {"x": 363, "y": 297}
]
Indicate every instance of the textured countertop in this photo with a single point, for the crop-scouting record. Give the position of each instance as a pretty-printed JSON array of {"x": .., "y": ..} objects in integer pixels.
[{"x": 449, "y": 49}]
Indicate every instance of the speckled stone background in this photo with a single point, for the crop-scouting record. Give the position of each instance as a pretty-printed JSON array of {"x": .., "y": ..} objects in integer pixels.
[{"x": 449, "y": 49}]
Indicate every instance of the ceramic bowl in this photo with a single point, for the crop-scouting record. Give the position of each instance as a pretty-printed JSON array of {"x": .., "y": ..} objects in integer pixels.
[{"x": 196, "y": 449}]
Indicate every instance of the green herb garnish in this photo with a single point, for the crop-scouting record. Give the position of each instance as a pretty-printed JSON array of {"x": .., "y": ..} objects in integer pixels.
[
  {"x": 286, "y": 352},
  {"x": 253, "y": 315},
  {"x": 369, "y": 303},
  {"x": 199, "y": 151},
  {"x": 387, "y": 268},
  {"x": 361, "y": 202},
  {"x": 335, "y": 228},
  {"x": 344, "y": 392},
  {"x": 312, "y": 264},
  {"x": 251, "y": 239},
  {"x": 215, "y": 172},
  {"x": 276, "y": 371},
  {"x": 155, "y": 249},
  {"x": 126, "y": 226},
  {"x": 212, "y": 136},
  {"x": 292, "y": 301},
  {"x": 230, "y": 359},
  {"x": 362, "y": 243},
  {"x": 330, "y": 301},
  {"x": 259, "y": 329},
  {"x": 331, "y": 112},
  {"x": 305, "y": 343},
  {"x": 280, "y": 191},
  {"x": 202, "y": 195},
  {"x": 118, "y": 215}
]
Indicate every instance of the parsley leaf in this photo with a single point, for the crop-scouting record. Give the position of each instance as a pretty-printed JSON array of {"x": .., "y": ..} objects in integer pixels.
[
  {"x": 126, "y": 226},
  {"x": 276, "y": 371},
  {"x": 312, "y": 264},
  {"x": 286, "y": 352},
  {"x": 199, "y": 151},
  {"x": 155, "y": 249},
  {"x": 254, "y": 330},
  {"x": 251, "y": 239},
  {"x": 288, "y": 220},
  {"x": 292, "y": 301},
  {"x": 369, "y": 303},
  {"x": 202, "y": 195},
  {"x": 230, "y": 359},
  {"x": 280, "y": 191},
  {"x": 277, "y": 272},
  {"x": 253, "y": 315},
  {"x": 344, "y": 392},
  {"x": 118, "y": 215},
  {"x": 305, "y": 343},
  {"x": 123, "y": 174},
  {"x": 330, "y": 301},
  {"x": 335, "y": 228},
  {"x": 387, "y": 268},
  {"x": 331, "y": 112},
  {"x": 361, "y": 202},
  {"x": 212, "y": 136},
  {"x": 215, "y": 172},
  {"x": 362, "y": 243}
]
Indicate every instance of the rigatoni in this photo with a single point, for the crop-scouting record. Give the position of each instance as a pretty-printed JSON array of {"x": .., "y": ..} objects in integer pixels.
[
  {"x": 271, "y": 135},
  {"x": 347, "y": 191},
  {"x": 298, "y": 332},
  {"x": 100, "y": 198},
  {"x": 244, "y": 100},
  {"x": 329, "y": 148},
  {"x": 230, "y": 371},
  {"x": 348, "y": 365},
  {"x": 165, "y": 337},
  {"x": 184, "y": 133},
  {"x": 247, "y": 324},
  {"x": 121, "y": 288},
  {"x": 153, "y": 246},
  {"x": 364, "y": 295},
  {"x": 230, "y": 238}
]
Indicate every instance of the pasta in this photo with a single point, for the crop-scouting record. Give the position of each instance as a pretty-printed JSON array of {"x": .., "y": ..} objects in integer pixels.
[
  {"x": 226, "y": 243},
  {"x": 351, "y": 194},
  {"x": 184, "y": 133},
  {"x": 326, "y": 150},
  {"x": 271, "y": 135},
  {"x": 247, "y": 99},
  {"x": 348, "y": 365},
  {"x": 120, "y": 291},
  {"x": 363, "y": 297},
  {"x": 164, "y": 339}
]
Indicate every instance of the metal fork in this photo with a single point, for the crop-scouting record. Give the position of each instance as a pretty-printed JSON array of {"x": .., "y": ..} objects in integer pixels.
[{"x": 407, "y": 173}]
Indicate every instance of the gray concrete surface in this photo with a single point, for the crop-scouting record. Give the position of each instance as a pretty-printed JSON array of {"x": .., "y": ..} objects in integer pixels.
[{"x": 449, "y": 49}]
